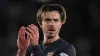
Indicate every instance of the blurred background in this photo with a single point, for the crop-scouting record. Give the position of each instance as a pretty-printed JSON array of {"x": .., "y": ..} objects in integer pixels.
[{"x": 82, "y": 27}]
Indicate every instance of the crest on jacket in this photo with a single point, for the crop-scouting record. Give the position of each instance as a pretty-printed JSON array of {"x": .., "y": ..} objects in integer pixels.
[{"x": 50, "y": 53}]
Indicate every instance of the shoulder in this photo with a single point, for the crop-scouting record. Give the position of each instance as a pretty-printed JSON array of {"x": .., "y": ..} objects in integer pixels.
[
  {"x": 67, "y": 45},
  {"x": 64, "y": 43},
  {"x": 68, "y": 48}
]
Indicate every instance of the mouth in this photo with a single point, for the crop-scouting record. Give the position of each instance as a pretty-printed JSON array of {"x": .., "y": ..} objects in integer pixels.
[{"x": 51, "y": 29}]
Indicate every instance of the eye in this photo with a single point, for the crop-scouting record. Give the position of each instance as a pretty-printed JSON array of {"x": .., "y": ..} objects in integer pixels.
[
  {"x": 47, "y": 19},
  {"x": 56, "y": 20}
]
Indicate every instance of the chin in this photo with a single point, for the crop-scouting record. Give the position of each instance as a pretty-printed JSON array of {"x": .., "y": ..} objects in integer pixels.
[{"x": 50, "y": 36}]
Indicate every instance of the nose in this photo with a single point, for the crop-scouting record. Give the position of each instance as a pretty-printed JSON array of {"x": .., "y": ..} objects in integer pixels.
[{"x": 52, "y": 22}]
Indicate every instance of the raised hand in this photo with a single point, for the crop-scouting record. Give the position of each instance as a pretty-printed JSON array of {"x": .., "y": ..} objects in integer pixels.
[
  {"x": 33, "y": 33},
  {"x": 22, "y": 43}
]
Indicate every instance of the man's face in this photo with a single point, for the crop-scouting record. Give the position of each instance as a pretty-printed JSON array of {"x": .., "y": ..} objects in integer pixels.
[{"x": 51, "y": 23}]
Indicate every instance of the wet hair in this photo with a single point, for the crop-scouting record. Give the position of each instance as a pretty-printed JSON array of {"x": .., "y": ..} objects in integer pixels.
[{"x": 51, "y": 7}]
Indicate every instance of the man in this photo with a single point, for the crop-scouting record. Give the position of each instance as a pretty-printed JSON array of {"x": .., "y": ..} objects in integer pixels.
[{"x": 50, "y": 18}]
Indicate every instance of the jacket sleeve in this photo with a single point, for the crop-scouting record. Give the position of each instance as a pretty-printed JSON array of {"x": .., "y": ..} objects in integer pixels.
[
  {"x": 37, "y": 51},
  {"x": 68, "y": 51},
  {"x": 28, "y": 51}
]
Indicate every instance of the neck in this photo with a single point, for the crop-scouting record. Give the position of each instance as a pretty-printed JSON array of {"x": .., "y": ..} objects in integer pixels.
[{"x": 46, "y": 41}]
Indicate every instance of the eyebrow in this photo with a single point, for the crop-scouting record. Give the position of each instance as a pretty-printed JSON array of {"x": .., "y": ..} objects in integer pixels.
[
  {"x": 53, "y": 18},
  {"x": 48, "y": 19}
]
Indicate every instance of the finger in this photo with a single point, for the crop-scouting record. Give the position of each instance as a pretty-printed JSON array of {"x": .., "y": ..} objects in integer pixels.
[
  {"x": 30, "y": 30},
  {"x": 23, "y": 30},
  {"x": 36, "y": 31},
  {"x": 34, "y": 26},
  {"x": 33, "y": 29},
  {"x": 28, "y": 34},
  {"x": 23, "y": 42},
  {"x": 28, "y": 39},
  {"x": 19, "y": 33},
  {"x": 22, "y": 35},
  {"x": 33, "y": 32}
]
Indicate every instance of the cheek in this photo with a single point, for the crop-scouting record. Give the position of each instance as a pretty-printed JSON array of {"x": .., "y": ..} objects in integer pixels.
[
  {"x": 57, "y": 28},
  {"x": 44, "y": 27},
  {"x": 58, "y": 25}
]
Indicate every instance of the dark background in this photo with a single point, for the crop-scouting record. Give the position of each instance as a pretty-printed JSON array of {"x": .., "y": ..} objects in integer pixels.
[{"x": 82, "y": 27}]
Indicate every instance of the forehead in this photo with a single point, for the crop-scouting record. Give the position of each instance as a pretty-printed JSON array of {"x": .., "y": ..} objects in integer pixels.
[{"x": 52, "y": 14}]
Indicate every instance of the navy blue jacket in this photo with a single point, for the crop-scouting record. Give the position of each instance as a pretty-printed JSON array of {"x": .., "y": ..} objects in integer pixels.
[{"x": 57, "y": 48}]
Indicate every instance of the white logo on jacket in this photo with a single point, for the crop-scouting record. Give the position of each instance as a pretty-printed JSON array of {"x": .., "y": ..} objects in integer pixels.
[
  {"x": 32, "y": 54},
  {"x": 50, "y": 54},
  {"x": 63, "y": 54}
]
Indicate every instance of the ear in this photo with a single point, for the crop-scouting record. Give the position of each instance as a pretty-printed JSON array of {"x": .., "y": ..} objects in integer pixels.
[
  {"x": 40, "y": 25},
  {"x": 60, "y": 24}
]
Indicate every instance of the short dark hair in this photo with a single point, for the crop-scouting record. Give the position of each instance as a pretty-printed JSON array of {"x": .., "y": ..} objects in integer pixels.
[{"x": 51, "y": 7}]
